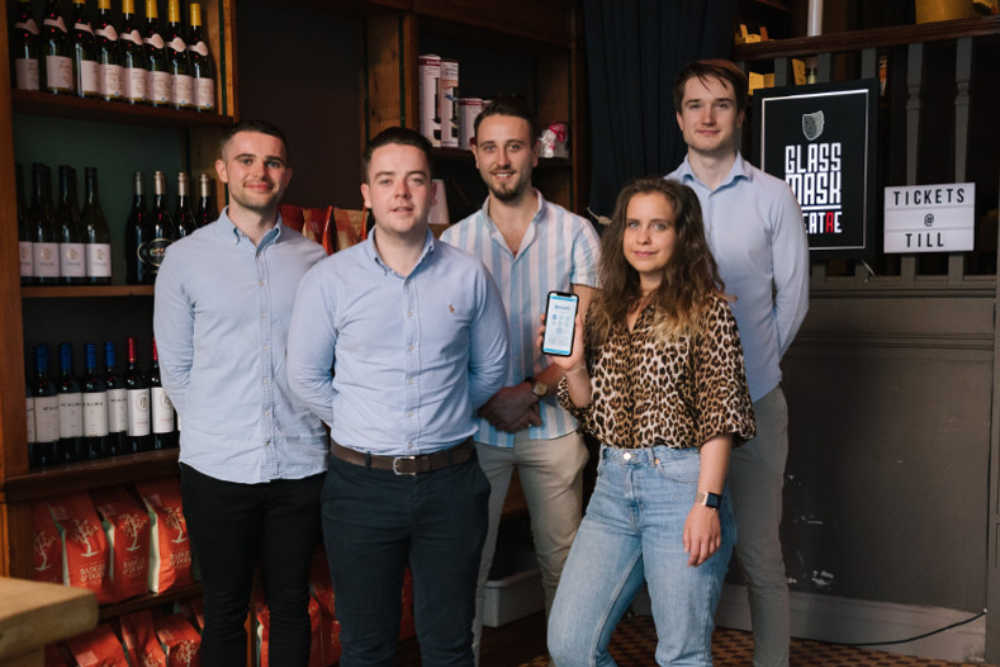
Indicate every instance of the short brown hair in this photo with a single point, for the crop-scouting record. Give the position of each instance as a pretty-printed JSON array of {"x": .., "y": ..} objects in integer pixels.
[
  {"x": 253, "y": 125},
  {"x": 723, "y": 70},
  {"x": 401, "y": 136},
  {"x": 508, "y": 105}
]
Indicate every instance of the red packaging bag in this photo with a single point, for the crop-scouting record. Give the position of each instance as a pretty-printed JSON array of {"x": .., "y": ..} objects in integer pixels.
[
  {"x": 46, "y": 545},
  {"x": 126, "y": 526},
  {"x": 262, "y": 632},
  {"x": 139, "y": 637},
  {"x": 407, "y": 624},
  {"x": 84, "y": 547},
  {"x": 322, "y": 590},
  {"x": 170, "y": 548},
  {"x": 180, "y": 641},
  {"x": 98, "y": 648},
  {"x": 193, "y": 609},
  {"x": 315, "y": 635}
]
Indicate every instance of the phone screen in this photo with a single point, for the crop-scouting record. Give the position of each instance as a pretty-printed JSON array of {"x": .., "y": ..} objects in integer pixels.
[{"x": 560, "y": 323}]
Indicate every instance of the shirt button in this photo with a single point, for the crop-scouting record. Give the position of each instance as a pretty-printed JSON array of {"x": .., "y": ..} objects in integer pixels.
[
  {"x": 267, "y": 380},
  {"x": 409, "y": 445},
  {"x": 410, "y": 314},
  {"x": 409, "y": 348},
  {"x": 267, "y": 413},
  {"x": 410, "y": 381},
  {"x": 409, "y": 413},
  {"x": 267, "y": 444},
  {"x": 265, "y": 348},
  {"x": 263, "y": 314}
]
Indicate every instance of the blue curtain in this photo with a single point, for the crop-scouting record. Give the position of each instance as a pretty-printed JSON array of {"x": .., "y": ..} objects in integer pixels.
[{"x": 634, "y": 50}]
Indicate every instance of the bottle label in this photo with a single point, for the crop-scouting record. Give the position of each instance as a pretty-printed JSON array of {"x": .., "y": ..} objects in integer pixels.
[
  {"x": 132, "y": 36},
  {"x": 70, "y": 415},
  {"x": 83, "y": 27},
  {"x": 138, "y": 412},
  {"x": 177, "y": 44},
  {"x": 158, "y": 87},
  {"x": 72, "y": 260},
  {"x": 26, "y": 73},
  {"x": 199, "y": 47},
  {"x": 89, "y": 77},
  {"x": 99, "y": 260},
  {"x": 27, "y": 259},
  {"x": 30, "y": 418},
  {"x": 108, "y": 32},
  {"x": 163, "y": 411},
  {"x": 59, "y": 70},
  {"x": 153, "y": 251},
  {"x": 178, "y": 422},
  {"x": 117, "y": 410},
  {"x": 55, "y": 23},
  {"x": 95, "y": 414},
  {"x": 46, "y": 256},
  {"x": 135, "y": 84},
  {"x": 28, "y": 25},
  {"x": 183, "y": 91},
  {"x": 156, "y": 41},
  {"x": 204, "y": 93},
  {"x": 46, "y": 418},
  {"x": 109, "y": 78}
]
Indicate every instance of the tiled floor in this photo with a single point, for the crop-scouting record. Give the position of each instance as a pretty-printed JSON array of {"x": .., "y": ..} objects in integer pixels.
[{"x": 635, "y": 639}]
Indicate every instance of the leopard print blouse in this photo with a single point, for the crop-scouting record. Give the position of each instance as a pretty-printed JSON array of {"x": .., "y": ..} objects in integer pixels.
[{"x": 678, "y": 393}]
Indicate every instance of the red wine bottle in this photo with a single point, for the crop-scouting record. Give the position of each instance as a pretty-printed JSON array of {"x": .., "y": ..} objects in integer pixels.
[
  {"x": 96, "y": 234},
  {"x": 164, "y": 430},
  {"x": 138, "y": 438},
  {"x": 206, "y": 213},
  {"x": 183, "y": 217},
  {"x": 137, "y": 269},
  {"x": 110, "y": 82},
  {"x": 95, "y": 406},
  {"x": 178, "y": 61},
  {"x": 85, "y": 65},
  {"x": 201, "y": 63},
  {"x": 159, "y": 82},
  {"x": 70, "y": 408},
  {"x": 24, "y": 47},
  {"x": 161, "y": 228},
  {"x": 72, "y": 248},
  {"x": 46, "y": 412},
  {"x": 117, "y": 402},
  {"x": 24, "y": 244},
  {"x": 42, "y": 227},
  {"x": 133, "y": 58},
  {"x": 58, "y": 51}
]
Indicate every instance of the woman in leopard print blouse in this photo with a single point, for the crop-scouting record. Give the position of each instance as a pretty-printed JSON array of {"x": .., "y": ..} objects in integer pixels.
[{"x": 656, "y": 375}]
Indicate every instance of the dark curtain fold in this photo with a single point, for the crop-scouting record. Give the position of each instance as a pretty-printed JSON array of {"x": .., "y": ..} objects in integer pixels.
[{"x": 634, "y": 50}]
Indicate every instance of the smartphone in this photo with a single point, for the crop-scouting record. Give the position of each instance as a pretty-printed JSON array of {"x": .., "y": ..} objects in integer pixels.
[{"x": 560, "y": 323}]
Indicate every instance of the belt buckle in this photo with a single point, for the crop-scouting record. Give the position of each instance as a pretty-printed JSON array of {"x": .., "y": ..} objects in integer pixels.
[{"x": 397, "y": 459}]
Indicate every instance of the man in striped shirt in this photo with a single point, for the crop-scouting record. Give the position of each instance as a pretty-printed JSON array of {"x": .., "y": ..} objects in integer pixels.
[{"x": 530, "y": 246}]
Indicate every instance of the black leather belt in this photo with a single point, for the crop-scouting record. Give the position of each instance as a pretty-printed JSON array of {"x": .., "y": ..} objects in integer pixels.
[{"x": 408, "y": 465}]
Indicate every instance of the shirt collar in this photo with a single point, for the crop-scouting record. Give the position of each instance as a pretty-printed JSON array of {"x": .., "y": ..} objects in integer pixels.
[
  {"x": 540, "y": 214},
  {"x": 371, "y": 251},
  {"x": 232, "y": 232},
  {"x": 740, "y": 169}
]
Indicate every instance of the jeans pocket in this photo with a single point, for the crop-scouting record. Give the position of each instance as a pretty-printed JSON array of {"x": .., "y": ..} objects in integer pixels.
[{"x": 678, "y": 465}]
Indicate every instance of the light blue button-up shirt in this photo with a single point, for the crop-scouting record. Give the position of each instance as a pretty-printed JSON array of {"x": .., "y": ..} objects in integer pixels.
[
  {"x": 221, "y": 320},
  {"x": 558, "y": 250},
  {"x": 414, "y": 356},
  {"x": 755, "y": 230}
]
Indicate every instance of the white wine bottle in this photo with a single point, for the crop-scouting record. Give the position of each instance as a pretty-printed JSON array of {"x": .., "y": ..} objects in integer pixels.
[
  {"x": 109, "y": 59},
  {"x": 201, "y": 63},
  {"x": 72, "y": 249},
  {"x": 85, "y": 67},
  {"x": 96, "y": 234},
  {"x": 159, "y": 83}
]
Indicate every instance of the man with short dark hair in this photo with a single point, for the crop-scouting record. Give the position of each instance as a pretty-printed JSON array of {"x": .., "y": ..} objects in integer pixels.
[
  {"x": 415, "y": 334},
  {"x": 530, "y": 246},
  {"x": 754, "y": 227},
  {"x": 251, "y": 457}
]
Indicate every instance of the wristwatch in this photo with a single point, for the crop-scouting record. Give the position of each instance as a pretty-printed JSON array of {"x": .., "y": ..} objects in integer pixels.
[
  {"x": 538, "y": 388},
  {"x": 708, "y": 499}
]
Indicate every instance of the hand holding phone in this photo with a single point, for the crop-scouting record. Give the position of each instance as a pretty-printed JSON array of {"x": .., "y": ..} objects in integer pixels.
[{"x": 560, "y": 323}]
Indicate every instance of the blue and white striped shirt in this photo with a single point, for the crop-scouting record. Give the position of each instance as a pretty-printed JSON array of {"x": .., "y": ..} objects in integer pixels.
[{"x": 558, "y": 250}]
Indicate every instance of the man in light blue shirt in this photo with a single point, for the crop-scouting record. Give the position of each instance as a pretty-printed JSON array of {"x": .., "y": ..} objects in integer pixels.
[
  {"x": 754, "y": 227},
  {"x": 530, "y": 246},
  {"x": 395, "y": 343},
  {"x": 252, "y": 458}
]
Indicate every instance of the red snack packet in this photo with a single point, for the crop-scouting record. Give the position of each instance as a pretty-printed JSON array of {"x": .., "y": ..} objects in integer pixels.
[
  {"x": 98, "y": 648},
  {"x": 84, "y": 547},
  {"x": 139, "y": 637},
  {"x": 126, "y": 526},
  {"x": 180, "y": 640},
  {"x": 170, "y": 548},
  {"x": 46, "y": 545}
]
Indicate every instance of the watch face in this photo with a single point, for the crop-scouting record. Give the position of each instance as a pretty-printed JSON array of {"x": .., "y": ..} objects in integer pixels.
[{"x": 539, "y": 389}]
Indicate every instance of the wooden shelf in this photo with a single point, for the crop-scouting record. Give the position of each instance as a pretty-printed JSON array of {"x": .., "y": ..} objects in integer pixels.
[
  {"x": 77, "y": 291},
  {"x": 146, "y": 601},
  {"x": 86, "y": 475},
  {"x": 69, "y": 106}
]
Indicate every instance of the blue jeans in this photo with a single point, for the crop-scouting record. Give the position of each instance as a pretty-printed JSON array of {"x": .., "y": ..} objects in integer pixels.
[
  {"x": 633, "y": 531},
  {"x": 235, "y": 526},
  {"x": 375, "y": 523}
]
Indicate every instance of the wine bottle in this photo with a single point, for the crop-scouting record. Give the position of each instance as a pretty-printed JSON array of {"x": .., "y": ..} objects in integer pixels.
[
  {"x": 207, "y": 213},
  {"x": 117, "y": 402},
  {"x": 161, "y": 228},
  {"x": 24, "y": 47},
  {"x": 109, "y": 60},
  {"x": 183, "y": 217},
  {"x": 137, "y": 437},
  {"x": 164, "y": 432},
  {"x": 96, "y": 233},
  {"x": 158, "y": 81},
  {"x": 29, "y": 417},
  {"x": 72, "y": 249},
  {"x": 70, "y": 409},
  {"x": 201, "y": 63},
  {"x": 95, "y": 407},
  {"x": 178, "y": 61},
  {"x": 46, "y": 411},
  {"x": 24, "y": 245},
  {"x": 133, "y": 56},
  {"x": 137, "y": 271},
  {"x": 85, "y": 65},
  {"x": 58, "y": 52},
  {"x": 42, "y": 226}
]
